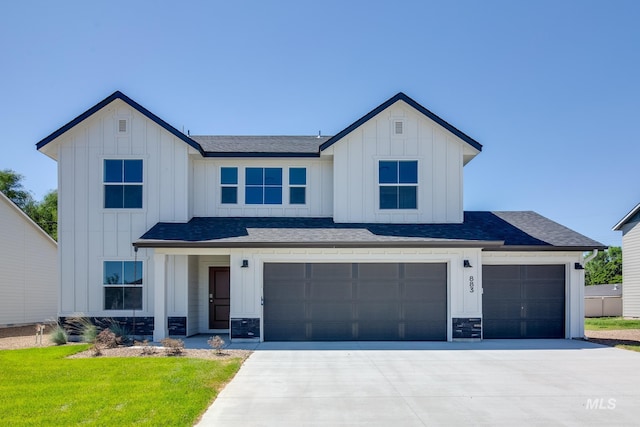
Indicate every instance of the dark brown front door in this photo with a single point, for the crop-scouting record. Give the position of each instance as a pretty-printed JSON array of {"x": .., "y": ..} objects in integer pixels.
[{"x": 219, "y": 297}]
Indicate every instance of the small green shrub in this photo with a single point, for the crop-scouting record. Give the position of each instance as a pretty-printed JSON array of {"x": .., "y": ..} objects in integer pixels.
[
  {"x": 173, "y": 347},
  {"x": 83, "y": 327},
  {"x": 59, "y": 335}
]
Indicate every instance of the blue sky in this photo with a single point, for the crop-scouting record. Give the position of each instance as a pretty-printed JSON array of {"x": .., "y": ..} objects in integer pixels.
[{"x": 550, "y": 88}]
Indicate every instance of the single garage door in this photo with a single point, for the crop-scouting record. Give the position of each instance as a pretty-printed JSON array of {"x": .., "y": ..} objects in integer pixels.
[
  {"x": 523, "y": 301},
  {"x": 345, "y": 301}
]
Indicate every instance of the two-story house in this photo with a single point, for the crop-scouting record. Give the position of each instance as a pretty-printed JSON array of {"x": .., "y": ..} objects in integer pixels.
[{"x": 358, "y": 236}]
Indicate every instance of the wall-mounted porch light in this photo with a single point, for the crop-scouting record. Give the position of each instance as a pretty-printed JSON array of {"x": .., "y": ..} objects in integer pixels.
[
  {"x": 245, "y": 263},
  {"x": 578, "y": 266},
  {"x": 466, "y": 263}
]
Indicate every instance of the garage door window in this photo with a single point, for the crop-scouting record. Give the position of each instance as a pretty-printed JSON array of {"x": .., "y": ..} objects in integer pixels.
[{"x": 398, "y": 182}]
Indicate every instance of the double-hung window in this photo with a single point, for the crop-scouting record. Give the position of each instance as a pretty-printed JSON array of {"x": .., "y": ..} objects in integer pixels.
[
  {"x": 122, "y": 184},
  {"x": 229, "y": 185},
  {"x": 398, "y": 183},
  {"x": 122, "y": 285},
  {"x": 263, "y": 186},
  {"x": 297, "y": 186}
]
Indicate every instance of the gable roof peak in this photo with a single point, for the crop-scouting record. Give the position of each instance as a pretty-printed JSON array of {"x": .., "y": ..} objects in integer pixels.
[
  {"x": 401, "y": 96},
  {"x": 133, "y": 104}
]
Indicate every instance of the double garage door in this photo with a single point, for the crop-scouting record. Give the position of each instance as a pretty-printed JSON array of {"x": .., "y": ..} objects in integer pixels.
[
  {"x": 523, "y": 301},
  {"x": 355, "y": 301}
]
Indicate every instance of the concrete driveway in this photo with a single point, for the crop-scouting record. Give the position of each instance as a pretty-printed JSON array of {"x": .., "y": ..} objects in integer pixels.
[{"x": 495, "y": 382}]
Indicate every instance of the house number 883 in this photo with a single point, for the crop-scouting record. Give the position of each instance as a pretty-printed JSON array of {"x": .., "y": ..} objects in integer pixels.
[{"x": 471, "y": 285}]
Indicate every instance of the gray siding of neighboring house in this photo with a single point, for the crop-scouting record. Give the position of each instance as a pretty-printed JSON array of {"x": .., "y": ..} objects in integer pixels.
[{"x": 631, "y": 269}]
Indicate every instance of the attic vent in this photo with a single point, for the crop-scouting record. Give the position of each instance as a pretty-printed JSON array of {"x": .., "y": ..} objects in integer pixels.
[
  {"x": 122, "y": 125},
  {"x": 398, "y": 127}
]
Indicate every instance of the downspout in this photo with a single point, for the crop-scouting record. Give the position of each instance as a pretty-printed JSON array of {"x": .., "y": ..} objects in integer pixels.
[{"x": 590, "y": 257}]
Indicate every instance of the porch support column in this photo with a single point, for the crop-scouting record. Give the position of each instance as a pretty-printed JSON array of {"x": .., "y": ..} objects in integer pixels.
[{"x": 160, "y": 297}]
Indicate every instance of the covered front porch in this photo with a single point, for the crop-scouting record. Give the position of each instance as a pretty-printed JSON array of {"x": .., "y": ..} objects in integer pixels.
[{"x": 193, "y": 291}]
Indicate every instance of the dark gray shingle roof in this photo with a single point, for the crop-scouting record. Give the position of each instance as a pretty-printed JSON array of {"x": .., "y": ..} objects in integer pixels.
[
  {"x": 491, "y": 230},
  {"x": 259, "y": 144}
]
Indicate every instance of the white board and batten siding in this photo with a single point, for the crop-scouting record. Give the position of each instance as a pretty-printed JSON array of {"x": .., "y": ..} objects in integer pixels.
[
  {"x": 28, "y": 269},
  {"x": 440, "y": 160},
  {"x": 90, "y": 234},
  {"x": 631, "y": 270}
]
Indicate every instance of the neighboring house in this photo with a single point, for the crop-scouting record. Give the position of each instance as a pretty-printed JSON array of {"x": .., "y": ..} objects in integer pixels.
[
  {"x": 357, "y": 236},
  {"x": 603, "y": 300},
  {"x": 630, "y": 227},
  {"x": 28, "y": 269}
]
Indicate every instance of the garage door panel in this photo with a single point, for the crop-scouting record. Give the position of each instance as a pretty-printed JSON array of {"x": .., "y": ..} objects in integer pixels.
[
  {"x": 378, "y": 330},
  {"x": 284, "y": 310},
  {"x": 330, "y": 271},
  {"x": 504, "y": 309},
  {"x": 286, "y": 290},
  {"x": 501, "y": 272},
  {"x": 502, "y": 328},
  {"x": 383, "y": 310},
  {"x": 425, "y": 271},
  {"x": 330, "y": 290},
  {"x": 424, "y": 331},
  {"x": 378, "y": 271},
  {"x": 544, "y": 310},
  {"x": 421, "y": 311},
  {"x": 424, "y": 290},
  {"x": 531, "y": 305},
  {"x": 543, "y": 289},
  {"x": 542, "y": 328},
  {"x": 355, "y": 302},
  {"x": 285, "y": 271},
  {"x": 368, "y": 290},
  {"x": 285, "y": 331},
  {"x": 331, "y": 331},
  {"x": 331, "y": 311},
  {"x": 543, "y": 272}
]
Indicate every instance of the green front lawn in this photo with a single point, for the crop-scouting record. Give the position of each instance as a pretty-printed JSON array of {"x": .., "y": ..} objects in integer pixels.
[
  {"x": 610, "y": 323},
  {"x": 40, "y": 387}
]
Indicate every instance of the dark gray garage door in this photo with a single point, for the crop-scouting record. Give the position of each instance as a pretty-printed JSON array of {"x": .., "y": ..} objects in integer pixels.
[
  {"x": 523, "y": 301},
  {"x": 337, "y": 302}
]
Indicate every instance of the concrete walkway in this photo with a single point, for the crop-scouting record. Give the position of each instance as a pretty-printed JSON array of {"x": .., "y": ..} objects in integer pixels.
[{"x": 494, "y": 382}]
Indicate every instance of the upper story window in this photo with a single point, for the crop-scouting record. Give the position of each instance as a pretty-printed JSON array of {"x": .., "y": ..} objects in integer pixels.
[
  {"x": 122, "y": 184},
  {"x": 398, "y": 182},
  {"x": 229, "y": 185},
  {"x": 122, "y": 285},
  {"x": 297, "y": 186},
  {"x": 263, "y": 186}
]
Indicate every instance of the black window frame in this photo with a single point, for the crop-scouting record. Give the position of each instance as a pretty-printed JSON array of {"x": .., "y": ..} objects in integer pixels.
[
  {"x": 123, "y": 186},
  {"x": 395, "y": 190}
]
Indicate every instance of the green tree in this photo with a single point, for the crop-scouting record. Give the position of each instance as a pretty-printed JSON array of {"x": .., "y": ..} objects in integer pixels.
[
  {"x": 11, "y": 186},
  {"x": 605, "y": 268},
  {"x": 44, "y": 213}
]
